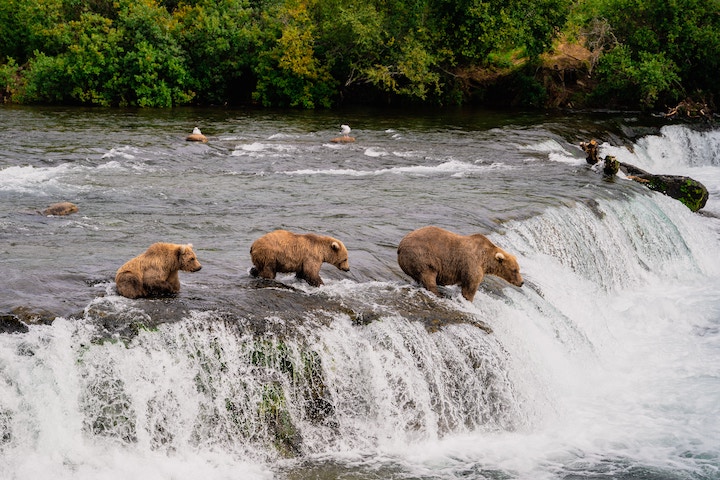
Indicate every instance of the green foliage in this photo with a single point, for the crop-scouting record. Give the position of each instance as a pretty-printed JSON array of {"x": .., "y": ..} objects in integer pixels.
[
  {"x": 641, "y": 81},
  {"x": 45, "y": 80},
  {"x": 473, "y": 29},
  {"x": 288, "y": 72},
  {"x": 93, "y": 60},
  {"x": 9, "y": 74},
  {"x": 218, "y": 38},
  {"x": 296, "y": 53},
  {"x": 153, "y": 65},
  {"x": 668, "y": 49}
]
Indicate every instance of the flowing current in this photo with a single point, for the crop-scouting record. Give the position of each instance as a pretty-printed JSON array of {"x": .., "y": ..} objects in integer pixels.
[{"x": 605, "y": 364}]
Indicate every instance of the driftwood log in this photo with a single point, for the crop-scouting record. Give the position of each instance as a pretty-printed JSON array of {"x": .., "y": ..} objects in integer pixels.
[{"x": 689, "y": 191}]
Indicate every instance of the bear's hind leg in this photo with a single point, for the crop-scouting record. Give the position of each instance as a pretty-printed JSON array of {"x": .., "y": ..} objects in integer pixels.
[
  {"x": 428, "y": 280},
  {"x": 129, "y": 285}
]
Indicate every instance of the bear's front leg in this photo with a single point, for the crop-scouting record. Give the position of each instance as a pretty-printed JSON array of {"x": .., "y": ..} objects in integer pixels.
[
  {"x": 162, "y": 288},
  {"x": 160, "y": 283},
  {"x": 311, "y": 274},
  {"x": 468, "y": 292}
]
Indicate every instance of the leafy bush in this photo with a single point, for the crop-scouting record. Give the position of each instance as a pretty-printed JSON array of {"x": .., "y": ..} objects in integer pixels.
[
  {"x": 666, "y": 50},
  {"x": 9, "y": 74},
  {"x": 642, "y": 81}
]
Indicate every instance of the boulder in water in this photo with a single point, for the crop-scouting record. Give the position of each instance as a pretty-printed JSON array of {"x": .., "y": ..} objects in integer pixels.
[
  {"x": 689, "y": 191},
  {"x": 343, "y": 139},
  {"x": 61, "y": 208}
]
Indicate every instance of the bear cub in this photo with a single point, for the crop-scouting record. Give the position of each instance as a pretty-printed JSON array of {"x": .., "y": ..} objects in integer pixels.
[
  {"x": 433, "y": 256},
  {"x": 155, "y": 272},
  {"x": 281, "y": 251}
]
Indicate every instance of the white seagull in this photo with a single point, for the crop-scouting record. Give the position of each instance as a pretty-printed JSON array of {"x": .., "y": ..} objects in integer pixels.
[
  {"x": 196, "y": 131},
  {"x": 345, "y": 130}
]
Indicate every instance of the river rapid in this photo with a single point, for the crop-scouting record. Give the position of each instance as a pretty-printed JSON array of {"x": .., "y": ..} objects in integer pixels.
[{"x": 605, "y": 364}]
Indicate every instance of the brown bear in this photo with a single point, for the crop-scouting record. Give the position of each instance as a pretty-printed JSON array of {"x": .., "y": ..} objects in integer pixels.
[
  {"x": 433, "y": 256},
  {"x": 155, "y": 272},
  {"x": 286, "y": 252}
]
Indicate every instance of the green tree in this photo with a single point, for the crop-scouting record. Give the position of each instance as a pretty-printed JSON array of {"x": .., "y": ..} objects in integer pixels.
[
  {"x": 93, "y": 61},
  {"x": 217, "y": 37},
  {"x": 666, "y": 49},
  {"x": 288, "y": 71},
  {"x": 153, "y": 64},
  {"x": 642, "y": 81},
  {"x": 474, "y": 29}
]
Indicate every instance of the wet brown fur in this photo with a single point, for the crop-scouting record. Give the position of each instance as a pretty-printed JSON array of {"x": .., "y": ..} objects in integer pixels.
[
  {"x": 281, "y": 251},
  {"x": 433, "y": 256},
  {"x": 155, "y": 272}
]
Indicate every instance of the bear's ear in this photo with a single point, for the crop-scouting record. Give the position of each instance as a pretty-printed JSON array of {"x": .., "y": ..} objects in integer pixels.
[
  {"x": 335, "y": 246},
  {"x": 500, "y": 257}
]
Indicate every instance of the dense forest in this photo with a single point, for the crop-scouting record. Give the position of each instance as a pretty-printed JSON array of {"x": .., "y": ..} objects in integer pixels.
[{"x": 650, "y": 54}]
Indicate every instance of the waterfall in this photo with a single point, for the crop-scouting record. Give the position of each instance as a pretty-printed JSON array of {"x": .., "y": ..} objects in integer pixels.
[{"x": 605, "y": 362}]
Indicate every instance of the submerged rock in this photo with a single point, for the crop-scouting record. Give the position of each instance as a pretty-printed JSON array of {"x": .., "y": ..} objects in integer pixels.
[{"x": 12, "y": 324}]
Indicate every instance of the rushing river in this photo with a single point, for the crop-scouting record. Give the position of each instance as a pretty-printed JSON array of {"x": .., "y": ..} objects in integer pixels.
[{"x": 604, "y": 365}]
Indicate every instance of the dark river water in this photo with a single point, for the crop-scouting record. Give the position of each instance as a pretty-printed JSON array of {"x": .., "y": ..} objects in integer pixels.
[
  {"x": 137, "y": 181},
  {"x": 604, "y": 365}
]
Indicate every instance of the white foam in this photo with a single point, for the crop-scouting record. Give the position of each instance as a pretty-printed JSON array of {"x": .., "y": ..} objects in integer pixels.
[
  {"x": 453, "y": 167},
  {"x": 548, "y": 146},
  {"x": 261, "y": 149},
  {"x": 127, "y": 152},
  {"x": 375, "y": 152},
  {"x": 31, "y": 179}
]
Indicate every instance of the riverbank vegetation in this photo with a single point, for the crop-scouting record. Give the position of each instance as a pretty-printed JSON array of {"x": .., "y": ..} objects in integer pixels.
[{"x": 650, "y": 54}]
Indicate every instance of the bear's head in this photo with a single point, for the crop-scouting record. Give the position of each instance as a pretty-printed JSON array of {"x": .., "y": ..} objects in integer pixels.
[
  {"x": 188, "y": 259},
  {"x": 339, "y": 256},
  {"x": 505, "y": 265}
]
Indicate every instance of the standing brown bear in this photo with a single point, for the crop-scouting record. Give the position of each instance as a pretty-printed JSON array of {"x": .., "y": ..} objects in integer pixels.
[
  {"x": 286, "y": 252},
  {"x": 155, "y": 272},
  {"x": 433, "y": 256}
]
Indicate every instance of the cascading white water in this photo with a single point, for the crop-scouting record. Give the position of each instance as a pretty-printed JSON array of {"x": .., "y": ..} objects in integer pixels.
[
  {"x": 604, "y": 365},
  {"x": 590, "y": 359}
]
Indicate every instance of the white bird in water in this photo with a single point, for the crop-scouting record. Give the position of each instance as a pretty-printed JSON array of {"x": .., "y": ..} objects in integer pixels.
[
  {"x": 345, "y": 130},
  {"x": 196, "y": 131}
]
